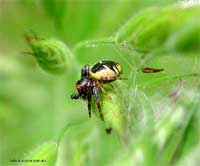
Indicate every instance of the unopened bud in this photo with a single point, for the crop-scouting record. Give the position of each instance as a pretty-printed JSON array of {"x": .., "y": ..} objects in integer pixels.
[{"x": 51, "y": 55}]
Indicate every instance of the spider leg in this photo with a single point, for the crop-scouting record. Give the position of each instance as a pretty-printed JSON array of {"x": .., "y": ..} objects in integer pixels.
[
  {"x": 108, "y": 78},
  {"x": 105, "y": 93},
  {"x": 97, "y": 97},
  {"x": 120, "y": 78},
  {"x": 113, "y": 78},
  {"x": 89, "y": 104}
]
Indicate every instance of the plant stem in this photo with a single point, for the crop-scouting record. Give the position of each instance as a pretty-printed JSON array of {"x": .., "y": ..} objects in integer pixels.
[
  {"x": 64, "y": 130},
  {"x": 93, "y": 43}
]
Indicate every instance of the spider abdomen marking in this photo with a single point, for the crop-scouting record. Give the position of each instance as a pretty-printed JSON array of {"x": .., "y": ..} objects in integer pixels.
[{"x": 106, "y": 71}]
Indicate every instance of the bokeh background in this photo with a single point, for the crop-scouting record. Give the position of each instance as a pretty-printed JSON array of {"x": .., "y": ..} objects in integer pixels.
[{"x": 36, "y": 105}]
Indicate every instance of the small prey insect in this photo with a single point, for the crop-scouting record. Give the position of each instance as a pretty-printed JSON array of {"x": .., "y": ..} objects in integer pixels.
[
  {"x": 151, "y": 70},
  {"x": 93, "y": 78}
]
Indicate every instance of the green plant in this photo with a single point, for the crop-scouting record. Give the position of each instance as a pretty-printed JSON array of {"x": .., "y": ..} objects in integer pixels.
[{"x": 154, "y": 117}]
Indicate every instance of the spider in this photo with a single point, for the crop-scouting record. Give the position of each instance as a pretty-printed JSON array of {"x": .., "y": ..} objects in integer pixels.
[{"x": 92, "y": 79}]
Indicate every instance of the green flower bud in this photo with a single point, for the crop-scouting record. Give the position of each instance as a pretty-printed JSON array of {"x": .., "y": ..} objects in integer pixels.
[
  {"x": 51, "y": 55},
  {"x": 167, "y": 28}
]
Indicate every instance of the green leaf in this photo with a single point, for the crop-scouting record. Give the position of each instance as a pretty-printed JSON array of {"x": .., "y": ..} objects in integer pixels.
[{"x": 45, "y": 153}]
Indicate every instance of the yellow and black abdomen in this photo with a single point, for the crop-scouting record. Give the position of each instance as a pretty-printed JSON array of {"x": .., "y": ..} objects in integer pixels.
[{"x": 106, "y": 71}]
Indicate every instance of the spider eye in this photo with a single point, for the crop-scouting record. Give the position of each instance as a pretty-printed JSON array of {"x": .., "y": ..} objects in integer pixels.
[
  {"x": 79, "y": 84},
  {"x": 85, "y": 71}
]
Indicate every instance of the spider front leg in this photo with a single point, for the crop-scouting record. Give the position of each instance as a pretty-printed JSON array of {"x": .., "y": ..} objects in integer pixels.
[
  {"x": 75, "y": 96},
  {"x": 97, "y": 97}
]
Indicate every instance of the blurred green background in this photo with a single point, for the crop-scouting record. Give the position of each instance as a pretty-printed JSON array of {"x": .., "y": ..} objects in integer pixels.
[{"x": 161, "y": 110}]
